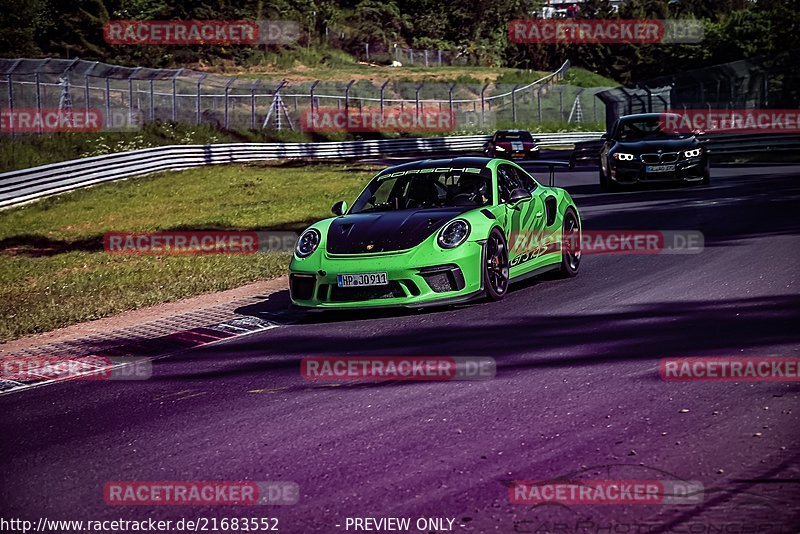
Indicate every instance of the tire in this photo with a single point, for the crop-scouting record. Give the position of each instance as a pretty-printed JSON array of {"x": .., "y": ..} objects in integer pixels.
[
  {"x": 570, "y": 244},
  {"x": 605, "y": 183},
  {"x": 495, "y": 266}
]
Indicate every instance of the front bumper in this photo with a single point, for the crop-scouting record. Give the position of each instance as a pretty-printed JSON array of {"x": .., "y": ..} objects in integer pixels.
[
  {"x": 530, "y": 153},
  {"x": 416, "y": 278},
  {"x": 686, "y": 170}
]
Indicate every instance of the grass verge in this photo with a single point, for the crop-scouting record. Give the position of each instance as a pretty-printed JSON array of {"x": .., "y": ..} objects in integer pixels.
[{"x": 56, "y": 273}]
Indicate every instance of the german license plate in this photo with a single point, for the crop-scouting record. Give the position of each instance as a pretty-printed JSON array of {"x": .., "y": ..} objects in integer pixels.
[
  {"x": 659, "y": 168},
  {"x": 362, "y": 279}
]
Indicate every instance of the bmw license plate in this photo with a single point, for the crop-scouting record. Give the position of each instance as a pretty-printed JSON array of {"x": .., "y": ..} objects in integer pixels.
[
  {"x": 659, "y": 168},
  {"x": 362, "y": 279}
]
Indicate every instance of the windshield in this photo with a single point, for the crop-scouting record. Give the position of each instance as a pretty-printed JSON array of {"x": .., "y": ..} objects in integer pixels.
[
  {"x": 433, "y": 187},
  {"x": 633, "y": 130},
  {"x": 514, "y": 136}
]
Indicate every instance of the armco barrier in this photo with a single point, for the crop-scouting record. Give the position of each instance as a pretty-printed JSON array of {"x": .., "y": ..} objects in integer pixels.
[{"x": 37, "y": 182}]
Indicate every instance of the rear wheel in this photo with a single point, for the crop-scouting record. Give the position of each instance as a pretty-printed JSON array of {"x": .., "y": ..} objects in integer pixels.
[
  {"x": 495, "y": 266},
  {"x": 570, "y": 244}
]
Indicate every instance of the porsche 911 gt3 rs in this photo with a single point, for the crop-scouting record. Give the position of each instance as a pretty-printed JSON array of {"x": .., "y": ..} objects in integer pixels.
[{"x": 436, "y": 232}]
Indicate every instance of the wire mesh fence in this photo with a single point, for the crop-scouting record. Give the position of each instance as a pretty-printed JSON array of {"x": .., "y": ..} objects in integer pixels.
[{"x": 129, "y": 97}]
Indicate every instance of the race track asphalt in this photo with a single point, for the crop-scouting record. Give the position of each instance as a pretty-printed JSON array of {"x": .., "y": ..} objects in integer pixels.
[{"x": 577, "y": 393}]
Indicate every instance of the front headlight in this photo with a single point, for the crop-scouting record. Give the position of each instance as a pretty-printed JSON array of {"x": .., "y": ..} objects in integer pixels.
[
  {"x": 453, "y": 233},
  {"x": 693, "y": 153},
  {"x": 500, "y": 149},
  {"x": 308, "y": 243},
  {"x": 622, "y": 156}
]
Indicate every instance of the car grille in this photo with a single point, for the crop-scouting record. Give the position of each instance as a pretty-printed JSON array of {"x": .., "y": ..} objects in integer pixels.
[
  {"x": 443, "y": 278},
  {"x": 666, "y": 157},
  {"x": 349, "y": 294},
  {"x": 301, "y": 287}
]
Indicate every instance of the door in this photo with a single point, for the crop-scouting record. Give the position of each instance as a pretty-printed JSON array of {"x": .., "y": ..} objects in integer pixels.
[{"x": 525, "y": 220}]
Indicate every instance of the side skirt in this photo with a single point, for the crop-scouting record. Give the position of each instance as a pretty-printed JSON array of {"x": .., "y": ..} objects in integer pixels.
[{"x": 535, "y": 272}]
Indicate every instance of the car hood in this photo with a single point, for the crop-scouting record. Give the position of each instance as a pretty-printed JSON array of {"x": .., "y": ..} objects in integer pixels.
[
  {"x": 654, "y": 145},
  {"x": 385, "y": 231}
]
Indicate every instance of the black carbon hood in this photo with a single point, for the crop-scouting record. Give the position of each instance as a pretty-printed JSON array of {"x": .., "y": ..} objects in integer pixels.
[{"x": 386, "y": 231}]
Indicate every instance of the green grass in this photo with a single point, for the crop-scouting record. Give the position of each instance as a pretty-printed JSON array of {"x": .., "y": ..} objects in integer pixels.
[
  {"x": 585, "y": 78},
  {"x": 55, "y": 272}
]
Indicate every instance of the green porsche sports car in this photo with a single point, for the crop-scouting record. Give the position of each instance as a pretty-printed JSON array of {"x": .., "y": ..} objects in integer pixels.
[{"x": 436, "y": 232}]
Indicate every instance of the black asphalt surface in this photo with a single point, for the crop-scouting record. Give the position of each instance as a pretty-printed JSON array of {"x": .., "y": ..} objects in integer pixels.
[{"x": 577, "y": 393}]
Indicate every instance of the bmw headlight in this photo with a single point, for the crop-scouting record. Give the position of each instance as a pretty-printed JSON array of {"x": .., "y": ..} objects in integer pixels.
[
  {"x": 693, "y": 153},
  {"x": 622, "y": 156},
  {"x": 500, "y": 149},
  {"x": 453, "y": 233},
  {"x": 308, "y": 243}
]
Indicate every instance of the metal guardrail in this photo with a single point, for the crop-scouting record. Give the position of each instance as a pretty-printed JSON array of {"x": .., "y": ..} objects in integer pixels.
[{"x": 29, "y": 184}]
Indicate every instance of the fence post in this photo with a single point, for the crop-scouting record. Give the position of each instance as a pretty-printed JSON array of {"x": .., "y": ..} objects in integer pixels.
[
  {"x": 38, "y": 102},
  {"x": 561, "y": 104},
  {"x": 10, "y": 93},
  {"x": 197, "y": 106},
  {"x": 253, "y": 104},
  {"x": 383, "y": 88},
  {"x": 416, "y": 98},
  {"x": 10, "y": 98},
  {"x": 311, "y": 94},
  {"x": 483, "y": 104},
  {"x": 152, "y": 103},
  {"x": 411, "y": 55},
  {"x": 539, "y": 104},
  {"x": 86, "y": 94},
  {"x": 108, "y": 103},
  {"x": 450, "y": 98},
  {"x": 227, "y": 89},
  {"x": 366, "y": 47},
  {"x": 130, "y": 97},
  {"x": 175, "y": 95},
  {"x": 347, "y": 100},
  {"x": 426, "y": 58},
  {"x": 514, "y": 104},
  {"x": 440, "y": 58}
]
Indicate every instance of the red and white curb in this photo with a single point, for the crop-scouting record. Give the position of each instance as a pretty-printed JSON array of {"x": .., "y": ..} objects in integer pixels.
[{"x": 116, "y": 357}]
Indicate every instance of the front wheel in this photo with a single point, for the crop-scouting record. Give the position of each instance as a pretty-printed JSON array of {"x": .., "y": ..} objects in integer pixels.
[
  {"x": 495, "y": 266},
  {"x": 570, "y": 244}
]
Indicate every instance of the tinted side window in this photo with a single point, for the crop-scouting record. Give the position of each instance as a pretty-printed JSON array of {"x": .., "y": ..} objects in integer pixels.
[
  {"x": 526, "y": 180},
  {"x": 507, "y": 181}
]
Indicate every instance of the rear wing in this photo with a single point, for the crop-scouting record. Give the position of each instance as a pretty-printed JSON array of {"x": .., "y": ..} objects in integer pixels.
[{"x": 551, "y": 166}]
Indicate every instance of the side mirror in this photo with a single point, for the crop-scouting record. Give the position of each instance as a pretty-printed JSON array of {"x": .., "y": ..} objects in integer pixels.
[
  {"x": 519, "y": 195},
  {"x": 604, "y": 136},
  {"x": 340, "y": 208}
]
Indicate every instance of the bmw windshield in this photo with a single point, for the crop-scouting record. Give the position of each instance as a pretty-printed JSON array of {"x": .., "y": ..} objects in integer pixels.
[{"x": 646, "y": 128}]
